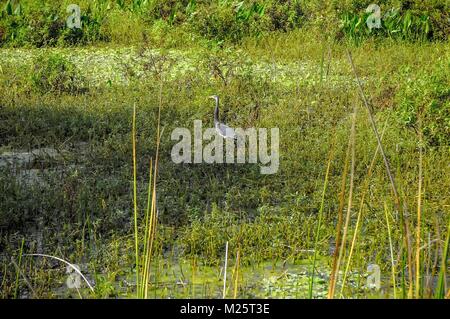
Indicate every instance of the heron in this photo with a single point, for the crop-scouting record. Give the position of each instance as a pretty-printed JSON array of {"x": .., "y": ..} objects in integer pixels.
[{"x": 224, "y": 130}]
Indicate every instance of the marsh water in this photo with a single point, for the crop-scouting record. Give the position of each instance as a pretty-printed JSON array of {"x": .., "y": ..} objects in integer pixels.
[{"x": 186, "y": 279}]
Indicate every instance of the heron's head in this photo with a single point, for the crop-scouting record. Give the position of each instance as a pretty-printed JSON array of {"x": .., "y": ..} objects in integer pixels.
[{"x": 214, "y": 97}]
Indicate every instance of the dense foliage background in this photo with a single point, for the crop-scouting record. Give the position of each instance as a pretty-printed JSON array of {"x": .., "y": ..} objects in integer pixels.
[{"x": 43, "y": 23}]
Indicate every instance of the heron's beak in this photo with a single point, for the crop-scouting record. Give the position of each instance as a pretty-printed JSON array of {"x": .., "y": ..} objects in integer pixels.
[{"x": 211, "y": 97}]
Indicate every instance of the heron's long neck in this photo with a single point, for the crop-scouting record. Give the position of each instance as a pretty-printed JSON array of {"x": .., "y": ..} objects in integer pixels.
[{"x": 216, "y": 112}]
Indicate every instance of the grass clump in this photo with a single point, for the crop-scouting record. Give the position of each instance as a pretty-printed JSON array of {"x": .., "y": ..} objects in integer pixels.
[
  {"x": 55, "y": 74},
  {"x": 407, "y": 21},
  {"x": 43, "y": 24},
  {"x": 426, "y": 95}
]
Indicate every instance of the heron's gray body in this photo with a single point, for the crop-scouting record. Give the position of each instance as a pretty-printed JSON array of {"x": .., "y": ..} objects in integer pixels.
[{"x": 224, "y": 130}]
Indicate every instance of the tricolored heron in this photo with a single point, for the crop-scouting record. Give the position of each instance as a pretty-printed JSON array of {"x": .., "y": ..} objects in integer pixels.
[{"x": 224, "y": 130}]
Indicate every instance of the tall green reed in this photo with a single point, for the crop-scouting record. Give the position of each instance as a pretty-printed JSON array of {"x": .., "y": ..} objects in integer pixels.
[
  {"x": 319, "y": 222},
  {"x": 151, "y": 212}
]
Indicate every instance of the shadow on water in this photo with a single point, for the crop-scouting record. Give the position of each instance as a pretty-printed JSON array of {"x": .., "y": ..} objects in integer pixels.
[{"x": 68, "y": 166}]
